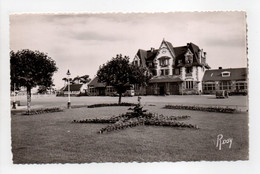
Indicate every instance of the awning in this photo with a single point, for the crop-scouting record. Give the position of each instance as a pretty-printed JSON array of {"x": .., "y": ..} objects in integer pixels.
[{"x": 163, "y": 79}]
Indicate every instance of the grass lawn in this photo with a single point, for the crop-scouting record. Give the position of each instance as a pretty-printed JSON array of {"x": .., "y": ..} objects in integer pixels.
[{"x": 53, "y": 138}]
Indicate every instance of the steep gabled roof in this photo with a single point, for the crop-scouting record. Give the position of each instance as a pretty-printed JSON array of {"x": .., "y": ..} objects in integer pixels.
[
  {"x": 73, "y": 87},
  {"x": 151, "y": 54},
  {"x": 170, "y": 47},
  {"x": 142, "y": 54},
  {"x": 180, "y": 52},
  {"x": 194, "y": 49},
  {"x": 94, "y": 83},
  {"x": 146, "y": 56},
  {"x": 216, "y": 74}
]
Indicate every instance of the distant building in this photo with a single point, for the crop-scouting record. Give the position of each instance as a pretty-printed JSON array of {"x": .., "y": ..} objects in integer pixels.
[
  {"x": 233, "y": 80},
  {"x": 75, "y": 89},
  {"x": 96, "y": 88},
  {"x": 175, "y": 70}
]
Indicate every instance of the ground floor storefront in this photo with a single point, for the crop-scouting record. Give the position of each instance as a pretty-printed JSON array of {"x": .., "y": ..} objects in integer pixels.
[
  {"x": 164, "y": 88},
  {"x": 231, "y": 86},
  {"x": 169, "y": 88}
]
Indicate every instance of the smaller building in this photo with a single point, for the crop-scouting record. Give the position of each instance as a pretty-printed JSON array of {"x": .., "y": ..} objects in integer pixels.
[
  {"x": 96, "y": 88},
  {"x": 233, "y": 80},
  {"x": 75, "y": 89}
]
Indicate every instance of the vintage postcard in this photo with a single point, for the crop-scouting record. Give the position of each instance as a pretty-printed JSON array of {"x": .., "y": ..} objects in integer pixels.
[{"x": 129, "y": 87}]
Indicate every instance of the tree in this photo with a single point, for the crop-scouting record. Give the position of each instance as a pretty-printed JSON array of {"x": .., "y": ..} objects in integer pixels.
[
  {"x": 85, "y": 79},
  {"x": 81, "y": 79},
  {"x": 30, "y": 69},
  {"x": 65, "y": 80},
  {"x": 119, "y": 73},
  {"x": 45, "y": 90},
  {"x": 42, "y": 90}
]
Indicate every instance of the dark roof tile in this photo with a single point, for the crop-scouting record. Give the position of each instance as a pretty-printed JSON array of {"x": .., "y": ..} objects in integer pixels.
[
  {"x": 73, "y": 87},
  {"x": 96, "y": 84},
  {"x": 216, "y": 74}
]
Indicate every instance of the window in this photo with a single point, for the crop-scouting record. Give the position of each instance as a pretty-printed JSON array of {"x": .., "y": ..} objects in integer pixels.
[
  {"x": 176, "y": 71},
  {"x": 188, "y": 59},
  {"x": 241, "y": 85},
  {"x": 225, "y": 74},
  {"x": 188, "y": 70},
  {"x": 92, "y": 90},
  {"x": 209, "y": 86},
  {"x": 224, "y": 85},
  {"x": 189, "y": 84},
  {"x": 164, "y": 72},
  {"x": 154, "y": 72},
  {"x": 164, "y": 62},
  {"x": 110, "y": 89}
]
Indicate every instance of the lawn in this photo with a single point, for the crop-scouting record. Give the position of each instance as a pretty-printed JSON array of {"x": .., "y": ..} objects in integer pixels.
[{"x": 53, "y": 138}]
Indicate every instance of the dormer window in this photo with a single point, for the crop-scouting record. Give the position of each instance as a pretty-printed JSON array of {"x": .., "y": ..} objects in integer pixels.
[
  {"x": 188, "y": 57},
  {"x": 164, "y": 61},
  {"x": 225, "y": 74}
]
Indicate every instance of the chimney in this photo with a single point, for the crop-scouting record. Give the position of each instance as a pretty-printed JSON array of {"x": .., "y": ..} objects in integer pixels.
[
  {"x": 220, "y": 67},
  {"x": 205, "y": 54},
  {"x": 152, "y": 49}
]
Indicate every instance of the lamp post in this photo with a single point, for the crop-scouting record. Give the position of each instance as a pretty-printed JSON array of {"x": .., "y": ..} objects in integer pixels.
[{"x": 69, "y": 104}]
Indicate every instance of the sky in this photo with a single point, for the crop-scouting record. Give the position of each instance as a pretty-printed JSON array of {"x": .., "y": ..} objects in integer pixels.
[{"x": 83, "y": 42}]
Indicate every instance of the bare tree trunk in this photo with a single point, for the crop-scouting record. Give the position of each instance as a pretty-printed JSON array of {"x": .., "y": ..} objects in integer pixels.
[
  {"x": 120, "y": 96},
  {"x": 28, "y": 99}
]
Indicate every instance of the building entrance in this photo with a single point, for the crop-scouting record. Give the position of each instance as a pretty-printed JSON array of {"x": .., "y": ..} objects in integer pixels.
[{"x": 161, "y": 92}]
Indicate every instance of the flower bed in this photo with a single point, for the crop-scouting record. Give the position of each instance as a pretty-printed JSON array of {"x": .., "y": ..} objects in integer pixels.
[
  {"x": 137, "y": 118},
  {"x": 198, "y": 108},
  {"x": 42, "y": 111},
  {"x": 110, "y": 104},
  {"x": 78, "y": 106}
]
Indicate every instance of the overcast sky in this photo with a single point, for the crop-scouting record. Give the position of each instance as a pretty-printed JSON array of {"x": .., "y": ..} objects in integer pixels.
[{"x": 82, "y": 42}]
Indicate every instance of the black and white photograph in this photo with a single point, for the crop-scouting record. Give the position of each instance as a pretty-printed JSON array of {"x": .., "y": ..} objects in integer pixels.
[{"x": 129, "y": 87}]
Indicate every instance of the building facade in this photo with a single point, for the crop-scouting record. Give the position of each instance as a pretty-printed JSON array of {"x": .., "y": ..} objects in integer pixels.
[
  {"x": 175, "y": 70},
  {"x": 75, "y": 89},
  {"x": 96, "y": 88},
  {"x": 233, "y": 80}
]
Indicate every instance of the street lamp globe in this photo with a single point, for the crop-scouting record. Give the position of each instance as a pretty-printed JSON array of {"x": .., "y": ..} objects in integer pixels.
[{"x": 68, "y": 72}]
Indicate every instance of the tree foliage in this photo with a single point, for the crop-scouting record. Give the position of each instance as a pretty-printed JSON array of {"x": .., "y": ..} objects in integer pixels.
[
  {"x": 81, "y": 79},
  {"x": 119, "y": 73},
  {"x": 45, "y": 90},
  {"x": 30, "y": 69}
]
